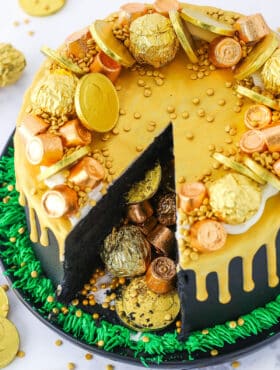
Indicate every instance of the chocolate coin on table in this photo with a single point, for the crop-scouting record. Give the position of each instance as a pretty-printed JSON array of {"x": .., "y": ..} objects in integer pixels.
[
  {"x": 62, "y": 61},
  {"x": 146, "y": 188},
  {"x": 9, "y": 342},
  {"x": 41, "y": 8},
  {"x": 4, "y": 304},
  {"x": 142, "y": 310},
  {"x": 97, "y": 102},
  {"x": 183, "y": 35},
  {"x": 102, "y": 32}
]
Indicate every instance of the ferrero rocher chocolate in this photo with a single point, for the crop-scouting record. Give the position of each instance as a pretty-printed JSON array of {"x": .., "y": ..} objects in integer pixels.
[
  {"x": 54, "y": 93},
  {"x": 271, "y": 73},
  {"x": 234, "y": 198},
  {"x": 126, "y": 252},
  {"x": 12, "y": 64},
  {"x": 153, "y": 40},
  {"x": 142, "y": 309},
  {"x": 166, "y": 209}
]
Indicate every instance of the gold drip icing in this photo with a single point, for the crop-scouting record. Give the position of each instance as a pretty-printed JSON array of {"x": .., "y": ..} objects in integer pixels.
[{"x": 44, "y": 238}]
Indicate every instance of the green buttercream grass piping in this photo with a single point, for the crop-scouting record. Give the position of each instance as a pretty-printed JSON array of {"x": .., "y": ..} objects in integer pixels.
[{"x": 17, "y": 253}]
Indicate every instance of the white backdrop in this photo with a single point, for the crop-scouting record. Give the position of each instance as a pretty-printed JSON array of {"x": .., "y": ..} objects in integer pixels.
[{"x": 37, "y": 340}]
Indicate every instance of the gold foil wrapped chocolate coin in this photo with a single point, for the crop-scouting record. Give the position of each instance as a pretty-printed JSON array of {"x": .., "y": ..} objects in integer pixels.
[
  {"x": 97, "y": 102},
  {"x": 41, "y": 8},
  {"x": 62, "y": 61},
  {"x": 234, "y": 198},
  {"x": 143, "y": 310},
  {"x": 271, "y": 73},
  {"x": 153, "y": 40},
  {"x": 9, "y": 342},
  {"x": 147, "y": 187},
  {"x": 126, "y": 252},
  {"x": 4, "y": 303},
  {"x": 54, "y": 93},
  {"x": 12, "y": 64}
]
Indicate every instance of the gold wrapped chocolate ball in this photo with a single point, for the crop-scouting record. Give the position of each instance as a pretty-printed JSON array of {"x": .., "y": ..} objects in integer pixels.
[
  {"x": 126, "y": 252},
  {"x": 153, "y": 40},
  {"x": 234, "y": 198},
  {"x": 55, "y": 92},
  {"x": 271, "y": 73},
  {"x": 12, "y": 64}
]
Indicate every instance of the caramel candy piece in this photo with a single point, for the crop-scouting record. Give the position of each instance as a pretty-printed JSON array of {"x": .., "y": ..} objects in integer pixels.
[
  {"x": 252, "y": 141},
  {"x": 208, "y": 235},
  {"x": 77, "y": 43},
  {"x": 161, "y": 275},
  {"x": 271, "y": 136},
  {"x": 252, "y": 28},
  {"x": 140, "y": 212},
  {"x": 32, "y": 125},
  {"x": 164, "y": 6},
  {"x": 257, "y": 116},
  {"x": 107, "y": 66},
  {"x": 44, "y": 149},
  {"x": 73, "y": 133},
  {"x": 147, "y": 226},
  {"x": 191, "y": 196},
  {"x": 225, "y": 52},
  {"x": 276, "y": 167},
  {"x": 87, "y": 173},
  {"x": 161, "y": 238},
  {"x": 60, "y": 201}
]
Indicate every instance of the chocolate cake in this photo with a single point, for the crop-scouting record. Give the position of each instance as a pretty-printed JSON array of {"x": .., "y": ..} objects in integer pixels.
[{"x": 151, "y": 156}]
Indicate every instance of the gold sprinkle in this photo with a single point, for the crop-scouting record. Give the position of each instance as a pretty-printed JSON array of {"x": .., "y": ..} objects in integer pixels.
[
  {"x": 5, "y": 287},
  {"x": 178, "y": 324},
  {"x": 31, "y": 33},
  {"x": 118, "y": 87},
  {"x": 139, "y": 148},
  {"x": 240, "y": 322},
  {"x": 141, "y": 83},
  {"x": 201, "y": 112},
  {"x": 71, "y": 366},
  {"x": 214, "y": 352},
  {"x": 115, "y": 131},
  {"x": 109, "y": 367},
  {"x": 228, "y": 140},
  {"x": 232, "y": 324},
  {"x": 137, "y": 115},
  {"x": 237, "y": 109},
  {"x": 185, "y": 114},
  {"x": 170, "y": 109},
  {"x": 205, "y": 332},
  {"x": 58, "y": 342},
  {"x": 210, "y": 118},
  {"x": 181, "y": 180},
  {"x": 222, "y": 102},
  {"x": 13, "y": 239},
  {"x": 216, "y": 165},
  {"x": 193, "y": 76},
  {"x": 210, "y": 92},
  {"x": 152, "y": 123},
  {"x": 145, "y": 339},
  {"x": 173, "y": 116},
  {"x": 95, "y": 316},
  {"x": 20, "y": 354},
  {"x": 21, "y": 230},
  {"x": 122, "y": 112},
  {"x": 127, "y": 128},
  {"x": 196, "y": 101},
  {"x": 159, "y": 81},
  {"x": 211, "y": 147},
  {"x": 50, "y": 299},
  {"x": 79, "y": 313},
  {"x": 16, "y": 23},
  {"x": 34, "y": 274},
  {"x": 10, "y": 187},
  {"x": 189, "y": 135},
  {"x": 228, "y": 84},
  {"x": 26, "y": 21},
  {"x": 235, "y": 364},
  {"x": 88, "y": 356},
  {"x": 147, "y": 93},
  {"x": 100, "y": 343}
]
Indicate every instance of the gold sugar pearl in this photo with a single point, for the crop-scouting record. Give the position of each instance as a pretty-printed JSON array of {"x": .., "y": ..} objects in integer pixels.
[
  {"x": 201, "y": 112},
  {"x": 20, "y": 354},
  {"x": 71, "y": 366},
  {"x": 189, "y": 135},
  {"x": 21, "y": 230},
  {"x": 34, "y": 274},
  {"x": 214, "y": 352},
  {"x": 139, "y": 148},
  {"x": 185, "y": 115},
  {"x": 222, "y": 102},
  {"x": 109, "y": 367},
  {"x": 50, "y": 299},
  {"x": 205, "y": 332},
  {"x": 145, "y": 339},
  {"x": 210, "y": 118},
  {"x": 193, "y": 76},
  {"x": 122, "y": 112},
  {"x": 181, "y": 180},
  {"x": 240, "y": 322},
  {"x": 137, "y": 115},
  {"x": 58, "y": 342},
  {"x": 88, "y": 356},
  {"x": 5, "y": 287},
  {"x": 173, "y": 116},
  {"x": 95, "y": 316},
  {"x": 228, "y": 84},
  {"x": 141, "y": 83},
  {"x": 235, "y": 364},
  {"x": 159, "y": 81},
  {"x": 170, "y": 109},
  {"x": 79, "y": 313},
  {"x": 147, "y": 93},
  {"x": 232, "y": 324},
  {"x": 100, "y": 343},
  {"x": 196, "y": 101},
  {"x": 210, "y": 92}
]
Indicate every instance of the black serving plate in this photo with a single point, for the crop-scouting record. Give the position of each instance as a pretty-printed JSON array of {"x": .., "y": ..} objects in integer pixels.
[{"x": 177, "y": 360}]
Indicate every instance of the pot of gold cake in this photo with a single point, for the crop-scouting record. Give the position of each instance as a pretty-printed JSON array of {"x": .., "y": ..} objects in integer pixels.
[{"x": 148, "y": 204}]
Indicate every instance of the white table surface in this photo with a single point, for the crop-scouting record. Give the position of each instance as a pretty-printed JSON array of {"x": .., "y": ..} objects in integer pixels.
[{"x": 37, "y": 340}]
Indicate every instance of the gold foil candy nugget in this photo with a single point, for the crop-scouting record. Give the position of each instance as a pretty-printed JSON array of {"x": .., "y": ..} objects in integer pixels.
[
  {"x": 65, "y": 162},
  {"x": 251, "y": 28},
  {"x": 62, "y": 61},
  {"x": 201, "y": 20},
  {"x": 262, "y": 172},
  {"x": 271, "y": 73},
  {"x": 4, "y": 303},
  {"x": 126, "y": 252},
  {"x": 9, "y": 342},
  {"x": 234, "y": 198},
  {"x": 97, "y": 102},
  {"x": 102, "y": 32},
  {"x": 238, "y": 167},
  {"x": 12, "y": 64},
  {"x": 258, "y": 56},
  {"x": 183, "y": 35},
  {"x": 55, "y": 93},
  {"x": 41, "y": 8},
  {"x": 146, "y": 188},
  {"x": 259, "y": 98},
  {"x": 153, "y": 40},
  {"x": 143, "y": 310}
]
